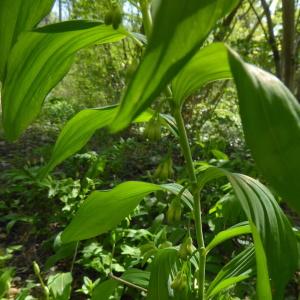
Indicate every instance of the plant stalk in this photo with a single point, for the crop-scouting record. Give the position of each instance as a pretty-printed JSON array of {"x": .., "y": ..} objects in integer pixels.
[
  {"x": 125, "y": 282},
  {"x": 147, "y": 18},
  {"x": 186, "y": 150}
]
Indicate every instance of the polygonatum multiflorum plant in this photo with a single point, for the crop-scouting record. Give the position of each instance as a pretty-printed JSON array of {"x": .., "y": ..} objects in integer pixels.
[{"x": 174, "y": 65}]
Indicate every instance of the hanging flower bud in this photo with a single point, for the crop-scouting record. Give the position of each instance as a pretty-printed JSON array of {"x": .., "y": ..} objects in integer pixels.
[
  {"x": 108, "y": 18},
  {"x": 153, "y": 129},
  {"x": 189, "y": 246},
  {"x": 186, "y": 249},
  {"x": 176, "y": 282},
  {"x": 36, "y": 268},
  {"x": 170, "y": 214},
  {"x": 174, "y": 211},
  {"x": 165, "y": 169},
  {"x": 116, "y": 15},
  {"x": 180, "y": 281}
]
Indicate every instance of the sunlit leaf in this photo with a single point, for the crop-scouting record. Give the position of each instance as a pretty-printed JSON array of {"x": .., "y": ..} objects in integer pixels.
[
  {"x": 207, "y": 65},
  {"x": 228, "y": 234},
  {"x": 272, "y": 232},
  {"x": 163, "y": 269},
  {"x": 5, "y": 279},
  {"x": 104, "y": 290},
  {"x": 60, "y": 285},
  {"x": 173, "y": 43},
  {"x": 17, "y": 16},
  {"x": 79, "y": 129},
  {"x": 104, "y": 210},
  {"x": 238, "y": 269},
  {"x": 77, "y": 132},
  {"x": 38, "y": 61},
  {"x": 271, "y": 121}
]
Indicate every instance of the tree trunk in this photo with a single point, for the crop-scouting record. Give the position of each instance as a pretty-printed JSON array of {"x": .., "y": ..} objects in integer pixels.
[
  {"x": 288, "y": 43},
  {"x": 60, "y": 10},
  {"x": 272, "y": 39}
]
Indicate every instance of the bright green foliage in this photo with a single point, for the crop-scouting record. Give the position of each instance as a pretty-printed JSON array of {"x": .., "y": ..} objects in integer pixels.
[
  {"x": 17, "y": 16},
  {"x": 105, "y": 289},
  {"x": 138, "y": 277},
  {"x": 78, "y": 131},
  {"x": 228, "y": 234},
  {"x": 104, "y": 210},
  {"x": 5, "y": 279},
  {"x": 38, "y": 62},
  {"x": 173, "y": 43},
  {"x": 34, "y": 60},
  {"x": 271, "y": 230},
  {"x": 238, "y": 269},
  {"x": 207, "y": 65},
  {"x": 60, "y": 286},
  {"x": 163, "y": 268},
  {"x": 271, "y": 121}
]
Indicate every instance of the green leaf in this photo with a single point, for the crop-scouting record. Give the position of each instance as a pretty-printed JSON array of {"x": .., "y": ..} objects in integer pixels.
[
  {"x": 263, "y": 286},
  {"x": 78, "y": 131},
  {"x": 176, "y": 189},
  {"x": 172, "y": 45},
  {"x": 228, "y": 234},
  {"x": 209, "y": 64},
  {"x": 272, "y": 233},
  {"x": 271, "y": 121},
  {"x": 238, "y": 269},
  {"x": 38, "y": 61},
  {"x": 5, "y": 279},
  {"x": 163, "y": 270},
  {"x": 105, "y": 289},
  {"x": 65, "y": 251},
  {"x": 104, "y": 210},
  {"x": 137, "y": 277},
  {"x": 17, "y": 16},
  {"x": 60, "y": 285}
]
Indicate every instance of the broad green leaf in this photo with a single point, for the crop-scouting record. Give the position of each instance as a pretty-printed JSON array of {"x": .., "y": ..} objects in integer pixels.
[
  {"x": 138, "y": 277},
  {"x": 172, "y": 44},
  {"x": 238, "y": 269},
  {"x": 176, "y": 189},
  {"x": 263, "y": 286},
  {"x": 228, "y": 234},
  {"x": 104, "y": 210},
  {"x": 60, "y": 286},
  {"x": 209, "y": 64},
  {"x": 104, "y": 290},
  {"x": 78, "y": 131},
  {"x": 271, "y": 121},
  {"x": 163, "y": 270},
  {"x": 38, "y": 61},
  {"x": 17, "y": 16},
  {"x": 272, "y": 233}
]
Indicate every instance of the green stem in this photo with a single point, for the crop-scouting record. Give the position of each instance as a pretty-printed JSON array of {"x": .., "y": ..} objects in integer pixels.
[
  {"x": 186, "y": 150},
  {"x": 147, "y": 18}
]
